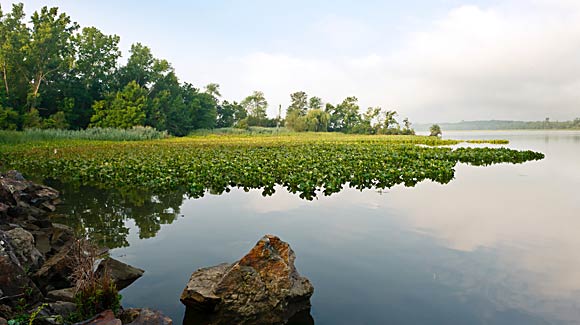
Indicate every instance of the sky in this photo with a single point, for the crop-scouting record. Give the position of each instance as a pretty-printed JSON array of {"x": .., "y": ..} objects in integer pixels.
[{"x": 430, "y": 60}]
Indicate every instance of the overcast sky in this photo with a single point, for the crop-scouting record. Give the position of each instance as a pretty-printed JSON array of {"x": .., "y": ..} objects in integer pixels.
[{"x": 431, "y": 60}]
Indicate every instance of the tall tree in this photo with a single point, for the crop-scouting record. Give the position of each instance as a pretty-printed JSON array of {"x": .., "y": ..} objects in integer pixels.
[
  {"x": 49, "y": 49},
  {"x": 256, "y": 105},
  {"x": 298, "y": 103},
  {"x": 315, "y": 103},
  {"x": 13, "y": 36}
]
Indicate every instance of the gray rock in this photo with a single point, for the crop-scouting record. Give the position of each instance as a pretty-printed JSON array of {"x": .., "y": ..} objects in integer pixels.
[
  {"x": 24, "y": 248},
  {"x": 123, "y": 274},
  {"x": 263, "y": 287},
  {"x": 14, "y": 283},
  {"x": 67, "y": 294},
  {"x": 105, "y": 318}
]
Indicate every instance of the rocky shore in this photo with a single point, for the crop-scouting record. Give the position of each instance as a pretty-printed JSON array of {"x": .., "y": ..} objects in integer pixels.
[{"x": 35, "y": 261}]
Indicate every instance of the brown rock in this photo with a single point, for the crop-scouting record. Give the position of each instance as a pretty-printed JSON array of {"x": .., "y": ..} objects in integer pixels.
[
  {"x": 67, "y": 295},
  {"x": 261, "y": 288},
  {"x": 55, "y": 271},
  {"x": 123, "y": 274},
  {"x": 105, "y": 318},
  {"x": 3, "y": 321}
]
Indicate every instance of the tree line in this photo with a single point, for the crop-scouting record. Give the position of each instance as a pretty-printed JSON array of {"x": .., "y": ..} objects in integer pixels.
[{"x": 58, "y": 75}]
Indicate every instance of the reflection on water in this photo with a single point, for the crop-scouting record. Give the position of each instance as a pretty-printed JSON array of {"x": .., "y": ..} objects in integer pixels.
[
  {"x": 102, "y": 214},
  {"x": 498, "y": 245}
]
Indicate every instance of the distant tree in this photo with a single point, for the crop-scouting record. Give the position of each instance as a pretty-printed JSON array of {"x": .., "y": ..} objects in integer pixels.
[
  {"x": 407, "y": 127},
  {"x": 316, "y": 120},
  {"x": 435, "y": 131},
  {"x": 228, "y": 114},
  {"x": 256, "y": 105},
  {"x": 213, "y": 89},
  {"x": 14, "y": 35},
  {"x": 8, "y": 118},
  {"x": 123, "y": 110},
  {"x": 298, "y": 103},
  {"x": 314, "y": 103}
]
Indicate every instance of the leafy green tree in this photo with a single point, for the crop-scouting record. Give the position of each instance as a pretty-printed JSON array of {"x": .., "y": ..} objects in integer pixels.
[
  {"x": 49, "y": 49},
  {"x": 344, "y": 116},
  {"x": 298, "y": 103},
  {"x": 32, "y": 119},
  {"x": 8, "y": 118},
  {"x": 213, "y": 90},
  {"x": 315, "y": 103},
  {"x": 316, "y": 120},
  {"x": 13, "y": 36},
  {"x": 124, "y": 110},
  {"x": 228, "y": 114},
  {"x": 256, "y": 105},
  {"x": 435, "y": 130}
]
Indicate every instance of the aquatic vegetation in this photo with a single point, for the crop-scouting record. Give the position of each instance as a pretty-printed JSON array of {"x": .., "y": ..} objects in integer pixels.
[
  {"x": 488, "y": 141},
  {"x": 304, "y": 164}
]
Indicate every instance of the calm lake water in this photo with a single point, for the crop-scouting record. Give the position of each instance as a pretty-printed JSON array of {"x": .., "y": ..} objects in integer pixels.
[{"x": 497, "y": 245}]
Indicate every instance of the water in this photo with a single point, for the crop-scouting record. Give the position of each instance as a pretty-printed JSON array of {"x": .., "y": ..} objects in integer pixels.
[{"x": 497, "y": 245}]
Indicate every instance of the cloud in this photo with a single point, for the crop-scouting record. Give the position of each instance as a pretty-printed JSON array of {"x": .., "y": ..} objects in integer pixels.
[{"x": 518, "y": 60}]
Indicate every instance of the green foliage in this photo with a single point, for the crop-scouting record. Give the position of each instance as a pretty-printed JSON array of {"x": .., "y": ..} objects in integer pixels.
[
  {"x": 8, "y": 119},
  {"x": 255, "y": 105},
  {"x": 124, "y": 110},
  {"x": 304, "y": 164},
  {"x": 435, "y": 131}
]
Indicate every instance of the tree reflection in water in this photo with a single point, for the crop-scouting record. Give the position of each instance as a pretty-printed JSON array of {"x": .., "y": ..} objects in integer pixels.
[{"x": 102, "y": 215}]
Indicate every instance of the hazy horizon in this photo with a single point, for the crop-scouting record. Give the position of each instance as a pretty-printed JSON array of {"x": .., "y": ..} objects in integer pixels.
[{"x": 431, "y": 61}]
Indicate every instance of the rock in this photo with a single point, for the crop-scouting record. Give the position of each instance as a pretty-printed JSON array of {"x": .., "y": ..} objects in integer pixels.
[
  {"x": 14, "y": 283},
  {"x": 21, "y": 198},
  {"x": 61, "y": 235},
  {"x": 144, "y": 316},
  {"x": 62, "y": 308},
  {"x": 3, "y": 321},
  {"x": 67, "y": 294},
  {"x": 42, "y": 241},
  {"x": 123, "y": 274},
  {"x": 55, "y": 271},
  {"x": 24, "y": 248},
  {"x": 105, "y": 318},
  {"x": 263, "y": 287}
]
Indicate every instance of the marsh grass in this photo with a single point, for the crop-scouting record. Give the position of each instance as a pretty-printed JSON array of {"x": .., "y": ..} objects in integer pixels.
[
  {"x": 94, "y": 291},
  {"x": 106, "y": 134}
]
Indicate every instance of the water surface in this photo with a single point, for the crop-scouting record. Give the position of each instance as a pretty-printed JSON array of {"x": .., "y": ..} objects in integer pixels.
[{"x": 497, "y": 245}]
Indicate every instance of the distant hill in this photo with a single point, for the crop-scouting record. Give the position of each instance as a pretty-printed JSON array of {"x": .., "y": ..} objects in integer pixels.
[{"x": 502, "y": 125}]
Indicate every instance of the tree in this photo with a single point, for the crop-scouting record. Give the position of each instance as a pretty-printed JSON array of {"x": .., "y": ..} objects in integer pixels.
[
  {"x": 13, "y": 36},
  {"x": 256, "y": 105},
  {"x": 316, "y": 120},
  {"x": 228, "y": 114},
  {"x": 435, "y": 130},
  {"x": 8, "y": 119},
  {"x": 315, "y": 103},
  {"x": 213, "y": 90},
  {"x": 298, "y": 103},
  {"x": 344, "y": 116},
  {"x": 49, "y": 49},
  {"x": 124, "y": 110}
]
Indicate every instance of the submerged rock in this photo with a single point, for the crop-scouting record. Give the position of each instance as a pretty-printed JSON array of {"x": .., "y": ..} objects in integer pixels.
[
  {"x": 263, "y": 287},
  {"x": 144, "y": 316}
]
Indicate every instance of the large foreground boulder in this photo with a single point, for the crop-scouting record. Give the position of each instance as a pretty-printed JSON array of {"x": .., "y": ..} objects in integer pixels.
[{"x": 263, "y": 287}]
